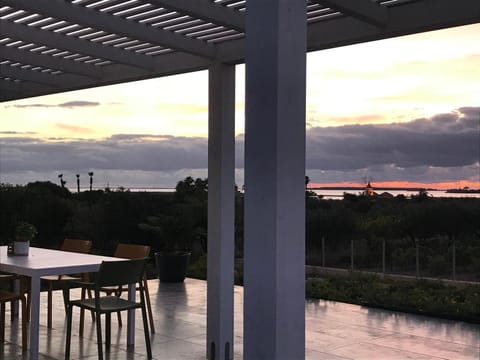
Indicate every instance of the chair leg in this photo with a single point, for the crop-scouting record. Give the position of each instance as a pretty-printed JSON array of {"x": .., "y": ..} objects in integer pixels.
[
  {"x": 119, "y": 319},
  {"x": 2, "y": 322},
  {"x": 24, "y": 324},
  {"x": 149, "y": 305},
  {"x": 82, "y": 315},
  {"x": 117, "y": 293},
  {"x": 49, "y": 306},
  {"x": 69, "y": 332},
  {"x": 108, "y": 331},
  {"x": 89, "y": 293},
  {"x": 145, "y": 329},
  {"x": 99, "y": 335},
  {"x": 12, "y": 312}
]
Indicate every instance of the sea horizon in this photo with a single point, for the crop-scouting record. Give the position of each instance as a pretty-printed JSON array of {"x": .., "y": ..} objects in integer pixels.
[{"x": 324, "y": 192}]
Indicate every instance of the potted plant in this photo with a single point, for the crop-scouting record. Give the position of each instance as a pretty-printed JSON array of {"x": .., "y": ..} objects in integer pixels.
[
  {"x": 24, "y": 233},
  {"x": 173, "y": 246},
  {"x": 180, "y": 231}
]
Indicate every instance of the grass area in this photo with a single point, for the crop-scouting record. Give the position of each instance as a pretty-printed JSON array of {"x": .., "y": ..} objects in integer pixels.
[{"x": 418, "y": 296}]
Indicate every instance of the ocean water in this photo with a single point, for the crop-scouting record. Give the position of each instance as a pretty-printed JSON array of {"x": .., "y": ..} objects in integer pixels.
[
  {"x": 326, "y": 193},
  {"x": 338, "y": 193}
]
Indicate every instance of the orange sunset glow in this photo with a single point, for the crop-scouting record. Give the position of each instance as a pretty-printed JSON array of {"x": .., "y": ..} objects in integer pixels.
[{"x": 443, "y": 185}]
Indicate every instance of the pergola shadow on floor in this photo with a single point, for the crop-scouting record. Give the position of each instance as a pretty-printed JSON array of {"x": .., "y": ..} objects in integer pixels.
[{"x": 334, "y": 331}]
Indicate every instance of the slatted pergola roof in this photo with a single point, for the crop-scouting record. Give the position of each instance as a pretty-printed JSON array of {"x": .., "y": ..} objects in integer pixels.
[{"x": 52, "y": 46}]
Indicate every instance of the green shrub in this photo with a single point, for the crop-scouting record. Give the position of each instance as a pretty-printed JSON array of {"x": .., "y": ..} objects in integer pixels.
[{"x": 419, "y": 296}]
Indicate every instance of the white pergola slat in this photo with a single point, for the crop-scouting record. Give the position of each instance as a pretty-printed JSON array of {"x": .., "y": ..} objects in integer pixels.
[
  {"x": 77, "y": 45},
  {"x": 60, "y": 9},
  {"x": 43, "y": 78},
  {"x": 58, "y": 63},
  {"x": 365, "y": 10},
  {"x": 52, "y": 46},
  {"x": 194, "y": 32},
  {"x": 207, "y": 11}
]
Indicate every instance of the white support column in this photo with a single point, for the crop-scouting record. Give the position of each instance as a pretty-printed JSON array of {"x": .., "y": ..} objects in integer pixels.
[
  {"x": 274, "y": 270},
  {"x": 221, "y": 198}
]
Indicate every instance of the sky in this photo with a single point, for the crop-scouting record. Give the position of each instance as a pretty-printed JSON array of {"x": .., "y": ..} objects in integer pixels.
[{"x": 397, "y": 112}]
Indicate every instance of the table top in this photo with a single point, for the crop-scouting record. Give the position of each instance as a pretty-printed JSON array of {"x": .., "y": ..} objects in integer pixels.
[{"x": 41, "y": 262}]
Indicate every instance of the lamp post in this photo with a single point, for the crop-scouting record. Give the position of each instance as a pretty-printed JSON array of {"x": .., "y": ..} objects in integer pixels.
[{"x": 78, "y": 183}]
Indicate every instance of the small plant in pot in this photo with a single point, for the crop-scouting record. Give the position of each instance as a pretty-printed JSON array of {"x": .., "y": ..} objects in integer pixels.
[{"x": 24, "y": 233}]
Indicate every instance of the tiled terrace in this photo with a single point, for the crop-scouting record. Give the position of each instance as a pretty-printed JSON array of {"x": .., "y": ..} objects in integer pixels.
[{"x": 335, "y": 331}]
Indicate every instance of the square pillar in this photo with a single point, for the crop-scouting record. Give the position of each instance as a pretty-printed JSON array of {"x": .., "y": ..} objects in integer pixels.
[
  {"x": 274, "y": 268},
  {"x": 221, "y": 200}
]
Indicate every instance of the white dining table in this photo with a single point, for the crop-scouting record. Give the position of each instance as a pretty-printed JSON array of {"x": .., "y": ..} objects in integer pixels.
[{"x": 41, "y": 262}]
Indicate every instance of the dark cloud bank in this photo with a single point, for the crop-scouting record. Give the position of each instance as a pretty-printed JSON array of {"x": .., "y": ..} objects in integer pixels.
[{"x": 445, "y": 147}]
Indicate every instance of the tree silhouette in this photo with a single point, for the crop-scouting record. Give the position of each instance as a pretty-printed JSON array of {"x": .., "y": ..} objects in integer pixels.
[
  {"x": 62, "y": 182},
  {"x": 91, "y": 179}
]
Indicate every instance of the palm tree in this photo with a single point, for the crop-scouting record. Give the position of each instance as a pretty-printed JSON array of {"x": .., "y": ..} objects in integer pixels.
[
  {"x": 91, "y": 180},
  {"x": 62, "y": 182}
]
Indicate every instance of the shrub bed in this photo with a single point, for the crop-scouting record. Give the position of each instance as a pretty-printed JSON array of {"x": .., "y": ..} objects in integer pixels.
[{"x": 419, "y": 296}]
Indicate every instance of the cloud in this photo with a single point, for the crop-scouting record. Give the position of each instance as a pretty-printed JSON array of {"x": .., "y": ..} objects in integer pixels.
[
  {"x": 119, "y": 152},
  {"x": 68, "y": 104},
  {"x": 17, "y": 133},
  {"x": 444, "y": 140},
  {"x": 73, "y": 128},
  {"x": 440, "y": 148}
]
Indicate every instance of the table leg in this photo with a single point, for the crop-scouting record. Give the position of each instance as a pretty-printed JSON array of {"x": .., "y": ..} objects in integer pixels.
[
  {"x": 34, "y": 317},
  {"x": 17, "y": 289},
  {"x": 131, "y": 318}
]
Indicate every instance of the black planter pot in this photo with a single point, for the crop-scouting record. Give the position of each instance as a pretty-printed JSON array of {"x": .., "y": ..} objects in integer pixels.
[{"x": 172, "y": 266}]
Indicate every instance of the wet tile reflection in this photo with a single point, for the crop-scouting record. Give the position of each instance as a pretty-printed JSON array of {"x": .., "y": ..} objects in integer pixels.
[{"x": 335, "y": 331}]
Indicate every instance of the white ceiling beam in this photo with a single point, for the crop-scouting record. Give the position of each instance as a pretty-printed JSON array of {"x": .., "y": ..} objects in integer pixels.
[
  {"x": 61, "y": 9},
  {"x": 404, "y": 19},
  {"x": 51, "y": 39},
  {"x": 18, "y": 89},
  {"x": 47, "y": 61},
  {"x": 44, "y": 78},
  {"x": 365, "y": 10},
  {"x": 206, "y": 10}
]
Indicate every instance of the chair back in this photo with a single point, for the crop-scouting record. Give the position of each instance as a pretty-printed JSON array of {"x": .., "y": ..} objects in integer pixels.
[
  {"x": 116, "y": 273},
  {"x": 132, "y": 251},
  {"x": 76, "y": 245}
]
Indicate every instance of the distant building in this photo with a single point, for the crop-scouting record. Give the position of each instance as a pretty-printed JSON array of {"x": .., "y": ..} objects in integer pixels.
[{"x": 369, "y": 190}]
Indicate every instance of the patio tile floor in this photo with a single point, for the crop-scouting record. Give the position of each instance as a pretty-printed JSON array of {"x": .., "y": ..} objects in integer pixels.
[{"x": 335, "y": 331}]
